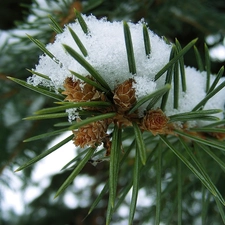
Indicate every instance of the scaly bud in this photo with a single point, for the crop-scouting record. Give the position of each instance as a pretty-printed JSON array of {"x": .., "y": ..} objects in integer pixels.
[
  {"x": 124, "y": 96},
  {"x": 156, "y": 122},
  {"x": 91, "y": 134}
]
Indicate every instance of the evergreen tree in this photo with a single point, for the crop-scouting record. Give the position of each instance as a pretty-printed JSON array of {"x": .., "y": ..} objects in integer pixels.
[{"x": 179, "y": 194}]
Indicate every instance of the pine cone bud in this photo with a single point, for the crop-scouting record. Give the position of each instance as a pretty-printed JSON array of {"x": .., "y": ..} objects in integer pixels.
[
  {"x": 156, "y": 122},
  {"x": 124, "y": 96},
  {"x": 91, "y": 134},
  {"x": 78, "y": 91},
  {"x": 219, "y": 136}
]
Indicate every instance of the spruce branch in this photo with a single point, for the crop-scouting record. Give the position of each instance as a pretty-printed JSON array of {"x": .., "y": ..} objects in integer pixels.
[{"x": 109, "y": 105}]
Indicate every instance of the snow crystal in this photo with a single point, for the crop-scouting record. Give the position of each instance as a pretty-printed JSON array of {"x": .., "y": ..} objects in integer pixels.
[
  {"x": 106, "y": 53},
  {"x": 106, "y": 49},
  {"x": 196, "y": 83},
  {"x": 72, "y": 114}
]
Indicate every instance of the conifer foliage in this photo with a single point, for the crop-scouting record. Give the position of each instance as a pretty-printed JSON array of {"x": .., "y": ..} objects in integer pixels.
[{"x": 141, "y": 118}]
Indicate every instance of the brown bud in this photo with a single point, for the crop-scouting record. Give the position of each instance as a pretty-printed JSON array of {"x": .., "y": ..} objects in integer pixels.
[
  {"x": 219, "y": 136},
  {"x": 78, "y": 91},
  {"x": 91, "y": 134},
  {"x": 156, "y": 122},
  {"x": 124, "y": 96}
]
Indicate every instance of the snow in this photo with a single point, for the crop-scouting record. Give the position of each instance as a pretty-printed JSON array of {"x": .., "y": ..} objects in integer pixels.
[
  {"x": 106, "y": 53},
  {"x": 106, "y": 49},
  {"x": 218, "y": 52},
  {"x": 17, "y": 200}
]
